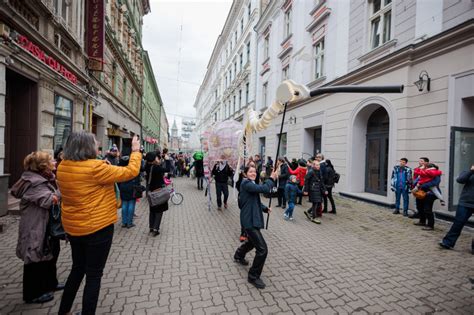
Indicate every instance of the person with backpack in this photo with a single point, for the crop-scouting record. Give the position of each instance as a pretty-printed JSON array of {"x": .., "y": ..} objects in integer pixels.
[
  {"x": 401, "y": 184},
  {"x": 329, "y": 182},
  {"x": 314, "y": 187}
]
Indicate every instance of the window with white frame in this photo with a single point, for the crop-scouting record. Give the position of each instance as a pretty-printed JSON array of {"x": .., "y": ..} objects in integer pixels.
[
  {"x": 266, "y": 47},
  {"x": 286, "y": 72},
  {"x": 235, "y": 67},
  {"x": 319, "y": 59},
  {"x": 239, "y": 104},
  {"x": 380, "y": 22},
  {"x": 264, "y": 94},
  {"x": 233, "y": 105},
  {"x": 248, "y": 52},
  {"x": 247, "y": 93},
  {"x": 287, "y": 31},
  {"x": 241, "y": 60},
  {"x": 61, "y": 9}
]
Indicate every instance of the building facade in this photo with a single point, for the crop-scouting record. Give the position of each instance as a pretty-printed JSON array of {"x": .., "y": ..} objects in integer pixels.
[
  {"x": 164, "y": 129},
  {"x": 42, "y": 81},
  {"x": 116, "y": 112},
  {"x": 226, "y": 90},
  {"x": 151, "y": 108},
  {"x": 361, "y": 42},
  {"x": 377, "y": 42}
]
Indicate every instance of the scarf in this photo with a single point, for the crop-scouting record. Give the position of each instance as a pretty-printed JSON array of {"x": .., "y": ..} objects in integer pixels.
[{"x": 49, "y": 175}]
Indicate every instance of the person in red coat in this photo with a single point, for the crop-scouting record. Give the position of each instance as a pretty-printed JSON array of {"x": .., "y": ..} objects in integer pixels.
[{"x": 300, "y": 173}]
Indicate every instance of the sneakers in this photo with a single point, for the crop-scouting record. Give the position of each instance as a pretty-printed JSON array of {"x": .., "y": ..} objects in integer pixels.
[
  {"x": 316, "y": 221},
  {"x": 285, "y": 216},
  {"x": 130, "y": 225},
  {"x": 396, "y": 212},
  {"x": 258, "y": 283},
  {"x": 219, "y": 208},
  {"x": 42, "y": 299},
  {"x": 444, "y": 246},
  {"x": 291, "y": 219},
  {"x": 308, "y": 215},
  {"x": 225, "y": 205}
]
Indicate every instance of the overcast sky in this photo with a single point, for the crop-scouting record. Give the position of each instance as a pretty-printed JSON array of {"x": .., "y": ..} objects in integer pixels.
[{"x": 202, "y": 22}]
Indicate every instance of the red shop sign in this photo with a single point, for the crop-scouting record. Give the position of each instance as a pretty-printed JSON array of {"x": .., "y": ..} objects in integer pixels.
[
  {"x": 95, "y": 34},
  {"x": 26, "y": 44}
]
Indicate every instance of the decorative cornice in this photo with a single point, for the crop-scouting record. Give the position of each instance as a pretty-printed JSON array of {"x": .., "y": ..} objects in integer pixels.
[
  {"x": 266, "y": 68},
  {"x": 320, "y": 15},
  {"x": 379, "y": 50},
  {"x": 287, "y": 47},
  {"x": 318, "y": 5}
]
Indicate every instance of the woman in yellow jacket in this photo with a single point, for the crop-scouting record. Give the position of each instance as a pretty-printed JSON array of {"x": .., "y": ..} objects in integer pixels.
[{"x": 88, "y": 213}]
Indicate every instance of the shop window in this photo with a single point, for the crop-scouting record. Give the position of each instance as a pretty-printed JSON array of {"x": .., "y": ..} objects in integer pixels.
[
  {"x": 62, "y": 120},
  {"x": 283, "y": 144}
]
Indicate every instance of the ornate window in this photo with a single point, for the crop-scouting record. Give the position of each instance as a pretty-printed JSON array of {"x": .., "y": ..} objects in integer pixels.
[{"x": 319, "y": 59}]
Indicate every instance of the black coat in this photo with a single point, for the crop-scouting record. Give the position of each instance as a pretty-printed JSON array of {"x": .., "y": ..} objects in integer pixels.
[
  {"x": 314, "y": 186},
  {"x": 284, "y": 176},
  {"x": 157, "y": 173},
  {"x": 329, "y": 178},
  {"x": 126, "y": 188},
  {"x": 222, "y": 176},
  {"x": 199, "y": 168},
  {"x": 467, "y": 195},
  {"x": 251, "y": 207}
]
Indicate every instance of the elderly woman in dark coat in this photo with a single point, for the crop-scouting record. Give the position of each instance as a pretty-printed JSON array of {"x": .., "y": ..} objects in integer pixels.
[
  {"x": 251, "y": 219},
  {"x": 315, "y": 188},
  {"x": 155, "y": 171},
  {"x": 38, "y": 192}
]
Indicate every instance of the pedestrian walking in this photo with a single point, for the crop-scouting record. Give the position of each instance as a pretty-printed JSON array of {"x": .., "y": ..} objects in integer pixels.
[
  {"x": 314, "y": 187},
  {"x": 128, "y": 191},
  {"x": 88, "y": 213},
  {"x": 329, "y": 182},
  {"x": 251, "y": 218},
  {"x": 199, "y": 168},
  {"x": 464, "y": 210},
  {"x": 155, "y": 172},
  {"x": 291, "y": 192},
  {"x": 300, "y": 173},
  {"x": 401, "y": 183},
  {"x": 269, "y": 167},
  {"x": 38, "y": 249},
  {"x": 221, "y": 173},
  {"x": 283, "y": 175}
]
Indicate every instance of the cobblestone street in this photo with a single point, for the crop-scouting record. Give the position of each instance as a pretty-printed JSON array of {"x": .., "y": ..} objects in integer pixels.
[{"x": 362, "y": 260}]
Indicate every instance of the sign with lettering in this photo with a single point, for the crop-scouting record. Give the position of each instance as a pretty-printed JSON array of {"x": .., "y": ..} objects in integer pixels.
[
  {"x": 26, "y": 44},
  {"x": 95, "y": 34}
]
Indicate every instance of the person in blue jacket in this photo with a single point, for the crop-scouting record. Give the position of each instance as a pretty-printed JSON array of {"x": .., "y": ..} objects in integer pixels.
[
  {"x": 251, "y": 219},
  {"x": 127, "y": 195},
  {"x": 291, "y": 192},
  {"x": 464, "y": 211}
]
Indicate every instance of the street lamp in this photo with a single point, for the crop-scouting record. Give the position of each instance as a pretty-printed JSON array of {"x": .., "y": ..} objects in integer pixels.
[{"x": 422, "y": 79}]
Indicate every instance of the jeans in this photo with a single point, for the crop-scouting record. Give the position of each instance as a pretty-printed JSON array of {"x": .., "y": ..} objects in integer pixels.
[
  {"x": 200, "y": 181},
  {"x": 155, "y": 220},
  {"x": 89, "y": 255},
  {"x": 331, "y": 199},
  {"x": 128, "y": 209},
  {"x": 427, "y": 215},
  {"x": 289, "y": 211},
  {"x": 462, "y": 216},
  {"x": 222, "y": 188},
  {"x": 399, "y": 193},
  {"x": 255, "y": 240},
  {"x": 281, "y": 197}
]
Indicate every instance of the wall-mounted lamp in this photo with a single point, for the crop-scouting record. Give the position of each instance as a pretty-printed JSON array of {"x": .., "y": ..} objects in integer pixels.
[
  {"x": 292, "y": 119},
  {"x": 423, "y": 79}
]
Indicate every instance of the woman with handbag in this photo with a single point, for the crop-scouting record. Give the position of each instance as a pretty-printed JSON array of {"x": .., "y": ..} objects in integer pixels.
[
  {"x": 130, "y": 191},
  {"x": 155, "y": 171},
  {"x": 38, "y": 192},
  {"x": 89, "y": 212}
]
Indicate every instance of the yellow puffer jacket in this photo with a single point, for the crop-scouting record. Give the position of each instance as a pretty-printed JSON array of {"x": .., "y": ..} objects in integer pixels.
[{"x": 88, "y": 195}]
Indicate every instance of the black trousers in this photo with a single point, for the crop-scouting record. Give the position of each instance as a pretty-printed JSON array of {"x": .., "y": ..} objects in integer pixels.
[
  {"x": 427, "y": 215},
  {"x": 300, "y": 196},
  {"x": 200, "y": 181},
  {"x": 89, "y": 255},
  {"x": 155, "y": 220},
  {"x": 255, "y": 240},
  {"x": 40, "y": 277},
  {"x": 419, "y": 204},
  {"x": 222, "y": 188},
  {"x": 331, "y": 199},
  {"x": 281, "y": 197}
]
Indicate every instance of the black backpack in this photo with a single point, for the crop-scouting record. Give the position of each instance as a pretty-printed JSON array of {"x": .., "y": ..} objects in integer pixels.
[{"x": 337, "y": 176}]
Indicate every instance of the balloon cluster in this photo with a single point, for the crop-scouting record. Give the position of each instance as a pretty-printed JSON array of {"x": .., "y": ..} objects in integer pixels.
[{"x": 222, "y": 142}]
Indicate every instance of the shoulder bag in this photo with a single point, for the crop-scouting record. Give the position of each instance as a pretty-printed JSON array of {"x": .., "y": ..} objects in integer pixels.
[
  {"x": 55, "y": 225},
  {"x": 158, "y": 196}
]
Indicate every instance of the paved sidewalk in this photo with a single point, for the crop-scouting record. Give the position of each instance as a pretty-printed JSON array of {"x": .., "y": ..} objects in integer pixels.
[{"x": 362, "y": 260}]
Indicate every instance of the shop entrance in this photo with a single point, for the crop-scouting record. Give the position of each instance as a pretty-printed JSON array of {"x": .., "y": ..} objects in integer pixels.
[{"x": 21, "y": 110}]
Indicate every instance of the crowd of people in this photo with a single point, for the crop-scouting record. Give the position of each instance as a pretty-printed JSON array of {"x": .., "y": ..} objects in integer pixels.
[{"x": 89, "y": 188}]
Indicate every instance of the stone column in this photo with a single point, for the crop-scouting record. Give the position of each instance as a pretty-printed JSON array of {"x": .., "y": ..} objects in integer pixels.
[
  {"x": 3, "y": 177},
  {"x": 46, "y": 114}
]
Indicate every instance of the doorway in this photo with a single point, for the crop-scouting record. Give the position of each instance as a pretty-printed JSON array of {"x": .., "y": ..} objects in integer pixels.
[
  {"x": 377, "y": 152},
  {"x": 21, "y": 116}
]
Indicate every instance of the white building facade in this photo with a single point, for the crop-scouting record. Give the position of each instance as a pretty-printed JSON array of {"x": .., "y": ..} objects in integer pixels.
[
  {"x": 228, "y": 87},
  {"x": 371, "y": 42}
]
